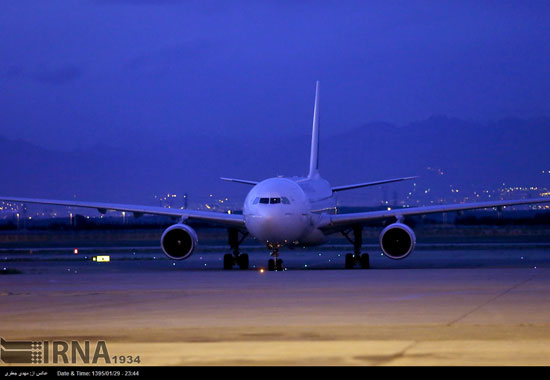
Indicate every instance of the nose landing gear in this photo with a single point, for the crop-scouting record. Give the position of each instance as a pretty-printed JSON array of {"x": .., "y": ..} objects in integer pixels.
[
  {"x": 235, "y": 258},
  {"x": 274, "y": 264},
  {"x": 356, "y": 258}
]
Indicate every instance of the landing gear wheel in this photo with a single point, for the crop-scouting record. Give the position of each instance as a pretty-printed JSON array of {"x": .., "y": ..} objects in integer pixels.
[
  {"x": 272, "y": 265},
  {"x": 228, "y": 261},
  {"x": 243, "y": 261},
  {"x": 365, "y": 261},
  {"x": 349, "y": 261}
]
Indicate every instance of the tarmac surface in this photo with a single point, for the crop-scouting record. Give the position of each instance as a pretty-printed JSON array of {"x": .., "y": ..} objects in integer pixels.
[{"x": 472, "y": 305}]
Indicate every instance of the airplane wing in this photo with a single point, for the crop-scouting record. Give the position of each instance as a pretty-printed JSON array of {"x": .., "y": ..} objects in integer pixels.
[
  {"x": 230, "y": 220},
  {"x": 342, "y": 221}
]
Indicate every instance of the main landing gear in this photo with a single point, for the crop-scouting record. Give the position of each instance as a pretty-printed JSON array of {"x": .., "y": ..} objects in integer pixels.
[
  {"x": 356, "y": 258},
  {"x": 235, "y": 258}
]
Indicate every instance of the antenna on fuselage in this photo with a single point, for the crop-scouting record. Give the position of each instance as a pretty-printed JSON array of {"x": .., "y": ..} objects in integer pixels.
[{"x": 314, "y": 156}]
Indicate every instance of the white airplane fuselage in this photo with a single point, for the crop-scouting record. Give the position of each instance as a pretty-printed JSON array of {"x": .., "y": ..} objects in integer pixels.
[{"x": 285, "y": 211}]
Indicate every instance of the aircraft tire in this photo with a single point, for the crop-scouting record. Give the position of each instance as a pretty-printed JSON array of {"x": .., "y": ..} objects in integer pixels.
[
  {"x": 228, "y": 261},
  {"x": 349, "y": 261}
]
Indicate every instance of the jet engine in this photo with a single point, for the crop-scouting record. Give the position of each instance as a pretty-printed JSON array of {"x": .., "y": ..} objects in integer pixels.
[
  {"x": 179, "y": 241},
  {"x": 397, "y": 241}
]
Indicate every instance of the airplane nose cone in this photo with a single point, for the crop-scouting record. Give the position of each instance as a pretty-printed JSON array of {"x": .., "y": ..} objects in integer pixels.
[{"x": 275, "y": 229}]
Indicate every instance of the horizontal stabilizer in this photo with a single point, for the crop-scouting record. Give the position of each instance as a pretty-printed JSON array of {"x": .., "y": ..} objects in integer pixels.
[
  {"x": 245, "y": 181},
  {"x": 365, "y": 184}
]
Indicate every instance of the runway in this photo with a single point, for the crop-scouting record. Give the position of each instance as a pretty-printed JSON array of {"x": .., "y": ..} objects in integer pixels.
[{"x": 468, "y": 306}]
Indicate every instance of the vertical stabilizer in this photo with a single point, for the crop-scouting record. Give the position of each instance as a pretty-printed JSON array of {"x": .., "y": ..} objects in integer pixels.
[{"x": 314, "y": 157}]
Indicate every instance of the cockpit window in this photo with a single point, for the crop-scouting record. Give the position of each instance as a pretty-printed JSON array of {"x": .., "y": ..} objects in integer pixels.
[{"x": 277, "y": 200}]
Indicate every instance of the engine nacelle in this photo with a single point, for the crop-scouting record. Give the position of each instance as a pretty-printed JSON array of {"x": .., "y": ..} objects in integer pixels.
[
  {"x": 179, "y": 241},
  {"x": 397, "y": 241}
]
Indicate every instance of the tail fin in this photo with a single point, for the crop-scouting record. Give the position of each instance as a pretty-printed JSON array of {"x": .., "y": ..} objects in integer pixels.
[{"x": 314, "y": 157}]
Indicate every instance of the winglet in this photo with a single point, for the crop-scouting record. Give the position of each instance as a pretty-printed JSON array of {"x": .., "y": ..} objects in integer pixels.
[{"x": 314, "y": 156}]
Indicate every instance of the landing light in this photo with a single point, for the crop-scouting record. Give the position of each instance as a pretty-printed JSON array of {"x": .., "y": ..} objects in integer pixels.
[{"x": 262, "y": 270}]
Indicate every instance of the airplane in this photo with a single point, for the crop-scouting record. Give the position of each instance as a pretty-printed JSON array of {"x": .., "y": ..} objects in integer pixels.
[{"x": 288, "y": 212}]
